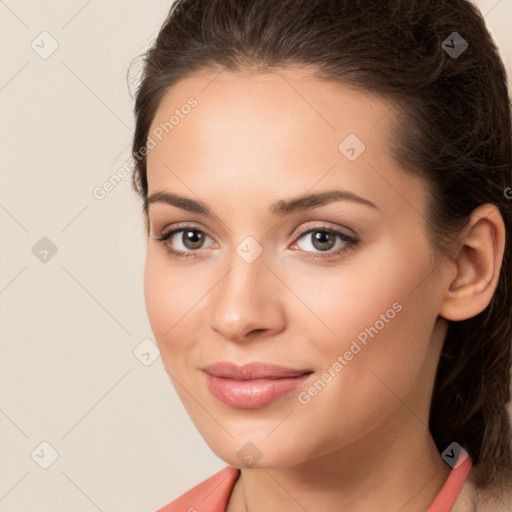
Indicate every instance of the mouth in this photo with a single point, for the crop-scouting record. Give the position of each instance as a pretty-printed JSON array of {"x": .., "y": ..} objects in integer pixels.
[
  {"x": 256, "y": 370},
  {"x": 253, "y": 385}
]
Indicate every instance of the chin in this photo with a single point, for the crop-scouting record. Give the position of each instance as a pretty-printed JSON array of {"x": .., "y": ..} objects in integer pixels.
[{"x": 257, "y": 453}]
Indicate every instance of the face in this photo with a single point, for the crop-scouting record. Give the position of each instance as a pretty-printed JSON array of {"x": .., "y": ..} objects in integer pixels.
[{"x": 339, "y": 287}]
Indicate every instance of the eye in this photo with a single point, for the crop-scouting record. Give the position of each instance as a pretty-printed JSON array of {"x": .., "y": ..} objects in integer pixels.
[
  {"x": 186, "y": 241},
  {"x": 183, "y": 241},
  {"x": 323, "y": 240}
]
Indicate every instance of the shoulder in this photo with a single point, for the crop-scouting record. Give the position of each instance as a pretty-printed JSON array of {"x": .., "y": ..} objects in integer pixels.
[
  {"x": 211, "y": 495},
  {"x": 476, "y": 499}
]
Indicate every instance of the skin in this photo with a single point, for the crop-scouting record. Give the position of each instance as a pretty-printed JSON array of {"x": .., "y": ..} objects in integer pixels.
[{"x": 255, "y": 139}]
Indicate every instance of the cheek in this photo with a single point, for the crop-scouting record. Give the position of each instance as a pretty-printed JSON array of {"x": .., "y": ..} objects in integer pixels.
[
  {"x": 341, "y": 302},
  {"x": 173, "y": 295},
  {"x": 165, "y": 306},
  {"x": 381, "y": 334},
  {"x": 379, "y": 316},
  {"x": 155, "y": 296}
]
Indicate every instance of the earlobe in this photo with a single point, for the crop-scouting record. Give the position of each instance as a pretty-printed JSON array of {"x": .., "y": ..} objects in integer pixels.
[{"x": 478, "y": 265}]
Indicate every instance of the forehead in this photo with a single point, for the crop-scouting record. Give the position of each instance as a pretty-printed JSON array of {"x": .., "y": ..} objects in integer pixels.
[
  {"x": 285, "y": 129},
  {"x": 275, "y": 99}
]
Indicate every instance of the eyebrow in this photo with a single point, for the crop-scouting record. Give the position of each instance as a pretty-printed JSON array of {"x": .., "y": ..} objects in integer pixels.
[{"x": 279, "y": 208}]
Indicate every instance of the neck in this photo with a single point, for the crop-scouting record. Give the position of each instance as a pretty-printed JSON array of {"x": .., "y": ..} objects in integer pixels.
[{"x": 398, "y": 472}]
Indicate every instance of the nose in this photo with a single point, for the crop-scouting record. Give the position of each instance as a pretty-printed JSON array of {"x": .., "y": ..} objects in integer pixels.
[{"x": 247, "y": 303}]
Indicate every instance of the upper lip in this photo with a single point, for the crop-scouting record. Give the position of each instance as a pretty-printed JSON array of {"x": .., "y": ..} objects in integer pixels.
[{"x": 255, "y": 370}]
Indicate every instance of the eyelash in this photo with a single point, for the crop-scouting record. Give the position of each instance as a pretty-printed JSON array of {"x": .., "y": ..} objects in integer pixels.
[{"x": 350, "y": 242}]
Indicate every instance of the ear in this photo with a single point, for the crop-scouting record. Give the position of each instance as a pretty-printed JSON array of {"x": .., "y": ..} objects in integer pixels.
[{"x": 477, "y": 265}]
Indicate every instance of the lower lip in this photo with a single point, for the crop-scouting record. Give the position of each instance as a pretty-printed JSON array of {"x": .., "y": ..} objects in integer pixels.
[{"x": 252, "y": 394}]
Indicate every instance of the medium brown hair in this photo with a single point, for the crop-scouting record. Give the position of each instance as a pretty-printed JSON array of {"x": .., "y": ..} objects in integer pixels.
[{"x": 452, "y": 127}]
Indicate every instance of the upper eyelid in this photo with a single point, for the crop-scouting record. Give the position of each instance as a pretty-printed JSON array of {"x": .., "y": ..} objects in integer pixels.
[
  {"x": 328, "y": 226},
  {"x": 183, "y": 227}
]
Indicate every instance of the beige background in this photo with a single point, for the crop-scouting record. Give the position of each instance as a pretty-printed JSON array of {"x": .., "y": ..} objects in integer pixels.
[{"x": 70, "y": 325}]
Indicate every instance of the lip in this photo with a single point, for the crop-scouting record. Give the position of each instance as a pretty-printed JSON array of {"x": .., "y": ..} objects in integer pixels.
[
  {"x": 252, "y": 385},
  {"x": 255, "y": 370}
]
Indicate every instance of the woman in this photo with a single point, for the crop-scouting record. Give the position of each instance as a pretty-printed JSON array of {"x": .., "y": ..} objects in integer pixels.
[{"x": 326, "y": 189}]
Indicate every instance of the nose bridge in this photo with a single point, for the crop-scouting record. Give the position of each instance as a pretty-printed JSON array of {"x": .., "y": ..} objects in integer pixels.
[{"x": 245, "y": 299}]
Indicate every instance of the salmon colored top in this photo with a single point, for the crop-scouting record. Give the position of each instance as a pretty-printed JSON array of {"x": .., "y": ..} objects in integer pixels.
[{"x": 212, "y": 494}]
